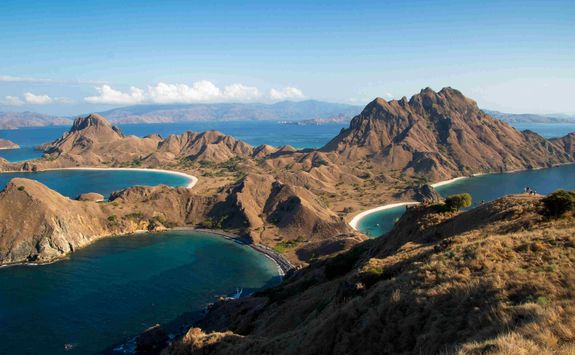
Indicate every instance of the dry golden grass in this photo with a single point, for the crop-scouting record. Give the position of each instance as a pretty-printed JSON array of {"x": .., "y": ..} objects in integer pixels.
[{"x": 497, "y": 279}]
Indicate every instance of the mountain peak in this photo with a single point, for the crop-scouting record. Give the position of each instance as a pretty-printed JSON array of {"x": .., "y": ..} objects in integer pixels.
[
  {"x": 93, "y": 120},
  {"x": 440, "y": 134}
]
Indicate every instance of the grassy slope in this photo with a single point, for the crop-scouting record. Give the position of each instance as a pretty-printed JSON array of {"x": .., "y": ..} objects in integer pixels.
[{"x": 497, "y": 279}]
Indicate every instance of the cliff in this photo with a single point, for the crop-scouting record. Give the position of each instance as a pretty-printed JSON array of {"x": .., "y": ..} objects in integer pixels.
[
  {"x": 40, "y": 225},
  {"x": 496, "y": 279}
]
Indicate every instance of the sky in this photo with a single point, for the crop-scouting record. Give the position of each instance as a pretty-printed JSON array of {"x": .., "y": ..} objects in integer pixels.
[{"x": 73, "y": 57}]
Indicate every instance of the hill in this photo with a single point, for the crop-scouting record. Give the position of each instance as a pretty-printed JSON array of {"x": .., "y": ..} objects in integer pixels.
[
  {"x": 440, "y": 135},
  {"x": 496, "y": 279}
]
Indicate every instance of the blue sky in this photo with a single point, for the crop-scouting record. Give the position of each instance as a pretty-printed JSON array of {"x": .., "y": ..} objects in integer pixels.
[{"x": 70, "y": 57}]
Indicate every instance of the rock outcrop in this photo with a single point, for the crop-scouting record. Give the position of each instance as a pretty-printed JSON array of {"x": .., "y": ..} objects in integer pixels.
[
  {"x": 6, "y": 144},
  {"x": 496, "y": 279},
  {"x": 40, "y": 225},
  {"x": 441, "y": 135}
]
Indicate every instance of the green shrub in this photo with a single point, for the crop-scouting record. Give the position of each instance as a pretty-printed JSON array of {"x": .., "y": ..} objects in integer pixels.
[
  {"x": 558, "y": 203},
  {"x": 457, "y": 202},
  {"x": 112, "y": 218},
  {"x": 20, "y": 188},
  {"x": 281, "y": 247}
]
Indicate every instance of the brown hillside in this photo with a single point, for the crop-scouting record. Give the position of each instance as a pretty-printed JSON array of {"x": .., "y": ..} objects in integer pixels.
[
  {"x": 496, "y": 279},
  {"x": 440, "y": 135}
]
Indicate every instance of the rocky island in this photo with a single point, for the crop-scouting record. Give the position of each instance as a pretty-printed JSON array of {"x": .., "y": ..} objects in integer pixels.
[{"x": 6, "y": 144}]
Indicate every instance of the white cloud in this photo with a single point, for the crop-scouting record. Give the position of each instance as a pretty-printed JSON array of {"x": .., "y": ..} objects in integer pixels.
[
  {"x": 388, "y": 95},
  {"x": 37, "y": 99},
  {"x": 163, "y": 93},
  {"x": 108, "y": 95},
  {"x": 241, "y": 92},
  {"x": 286, "y": 93},
  {"x": 20, "y": 79},
  {"x": 12, "y": 101}
]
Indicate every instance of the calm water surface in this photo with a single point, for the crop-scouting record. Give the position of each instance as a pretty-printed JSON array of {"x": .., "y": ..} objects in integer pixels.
[
  {"x": 72, "y": 183},
  {"x": 117, "y": 287},
  {"x": 484, "y": 187}
]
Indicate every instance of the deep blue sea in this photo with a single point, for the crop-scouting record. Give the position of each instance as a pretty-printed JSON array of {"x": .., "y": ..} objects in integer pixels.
[
  {"x": 117, "y": 287},
  {"x": 72, "y": 183},
  {"x": 484, "y": 187}
]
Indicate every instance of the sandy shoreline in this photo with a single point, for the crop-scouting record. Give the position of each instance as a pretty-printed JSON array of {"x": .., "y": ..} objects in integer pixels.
[
  {"x": 192, "y": 179},
  {"x": 358, "y": 217}
]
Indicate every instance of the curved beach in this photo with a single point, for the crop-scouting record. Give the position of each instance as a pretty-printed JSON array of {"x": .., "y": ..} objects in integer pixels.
[
  {"x": 192, "y": 179},
  {"x": 357, "y": 218}
]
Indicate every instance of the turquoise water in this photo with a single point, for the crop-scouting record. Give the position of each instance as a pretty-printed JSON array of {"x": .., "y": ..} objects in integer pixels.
[
  {"x": 484, "y": 187},
  {"x": 72, "y": 183},
  {"x": 117, "y": 287},
  {"x": 254, "y": 133}
]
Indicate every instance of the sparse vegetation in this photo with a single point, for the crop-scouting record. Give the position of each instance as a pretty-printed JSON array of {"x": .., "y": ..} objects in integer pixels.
[
  {"x": 281, "y": 247},
  {"x": 21, "y": 188}
]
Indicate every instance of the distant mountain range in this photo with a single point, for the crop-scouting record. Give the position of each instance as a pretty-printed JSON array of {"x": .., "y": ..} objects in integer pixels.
[
  {"x": 309, "y": 112},
  {"x": 285, "y": 111},
  {"x": 531, "y": 118},
  {"x": 13, "y": 120}
]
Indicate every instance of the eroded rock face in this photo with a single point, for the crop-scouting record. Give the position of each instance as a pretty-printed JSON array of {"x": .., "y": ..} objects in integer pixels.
[
  {"x": 440, "y": 135},
  {"x": 40, "y": 225}
]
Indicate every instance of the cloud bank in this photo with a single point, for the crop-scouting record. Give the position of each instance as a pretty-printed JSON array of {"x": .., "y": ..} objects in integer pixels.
[
  {"x": 199, "y": 91},
  {"x": 33, "y": 99}
]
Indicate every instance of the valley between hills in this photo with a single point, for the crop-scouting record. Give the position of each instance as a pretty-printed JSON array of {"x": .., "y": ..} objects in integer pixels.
[{"x": 470, "y": 282}]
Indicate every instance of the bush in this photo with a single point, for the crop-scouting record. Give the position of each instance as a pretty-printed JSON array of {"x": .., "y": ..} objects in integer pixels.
[
  {"x": 558, "y": 203},
  {"x": 457, "y": 202},
  {"x": 344, "y": 262},
  {"x": 281, "y": 247}
]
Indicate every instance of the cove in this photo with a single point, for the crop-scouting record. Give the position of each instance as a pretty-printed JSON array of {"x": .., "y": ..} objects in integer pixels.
[
  {"x": 72, "y": 183},
  {"x": 484, "y": 187},
  {"x": 115, "y": 288}
]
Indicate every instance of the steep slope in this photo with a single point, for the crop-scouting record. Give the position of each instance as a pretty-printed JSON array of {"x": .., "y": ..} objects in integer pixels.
[
  {"x": 496, "y": 279},
  {"x": 93, "y": 140},
  {"x": 566, "y": 143},
  {"x": 439, "y": 135},
  {"x": 39, "y": 224},
  {"x": 271, "y": 211}
]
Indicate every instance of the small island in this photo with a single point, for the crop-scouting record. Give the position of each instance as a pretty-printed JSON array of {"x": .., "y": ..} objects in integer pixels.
[{"x": 6, "y": 144}]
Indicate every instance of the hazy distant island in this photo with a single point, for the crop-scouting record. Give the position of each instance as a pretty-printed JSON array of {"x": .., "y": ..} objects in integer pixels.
[
  {"x": 531, "y": 118},
  {"x": 339, "y": 119}
]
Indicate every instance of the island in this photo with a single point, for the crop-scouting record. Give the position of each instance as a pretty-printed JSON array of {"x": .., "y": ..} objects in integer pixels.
[{"x": 6, "y": 144}]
